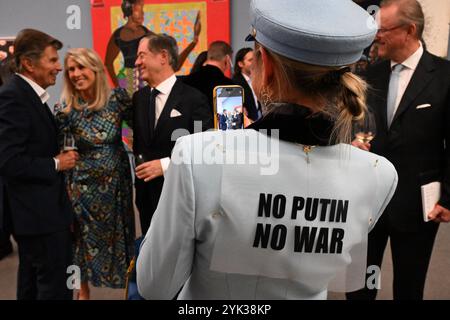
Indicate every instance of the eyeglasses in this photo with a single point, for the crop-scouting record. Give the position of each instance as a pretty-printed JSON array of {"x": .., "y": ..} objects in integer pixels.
[{"x": 383, "y": 30}]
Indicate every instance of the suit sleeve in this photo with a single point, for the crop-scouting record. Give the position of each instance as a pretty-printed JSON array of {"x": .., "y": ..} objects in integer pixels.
[
  {"x": 125, "y": 105},
  {"x": 202, "y": 112},
  {"x": 14, "y": 160},
  {"x": 166, "y": 255},
  {"x": 387, "y": 178},
  {"x": 445, "y": 197},
  {"x": 134, "y": 115}
]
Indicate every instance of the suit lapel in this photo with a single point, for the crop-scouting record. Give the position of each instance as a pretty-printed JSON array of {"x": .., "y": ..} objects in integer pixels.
[
  {"x": 143, "y": 115},
  {"x": 420, "y": 79},
  {"x": 45, "y": 114},
  {"x": 51, "y": 116},
  {"x": 172, "y": 100},
  {"x": 255, "y": 104},
  {"x": 379, "y": 92},
  {"x": 248, "y": 92}
]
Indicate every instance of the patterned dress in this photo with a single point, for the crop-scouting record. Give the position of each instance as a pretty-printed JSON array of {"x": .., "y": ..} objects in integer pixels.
[{"x": 101, "y": 192}]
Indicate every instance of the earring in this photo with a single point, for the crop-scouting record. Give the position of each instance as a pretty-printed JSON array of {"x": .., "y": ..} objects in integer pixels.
[{"x": 266, "y": 97}]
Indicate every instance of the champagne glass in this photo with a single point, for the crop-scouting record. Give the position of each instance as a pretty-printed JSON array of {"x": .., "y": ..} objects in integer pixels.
[
  {"x": 69, "y": 142},
  {"x": 57, "y": 108},
  {"x": 365, "y": 130}
]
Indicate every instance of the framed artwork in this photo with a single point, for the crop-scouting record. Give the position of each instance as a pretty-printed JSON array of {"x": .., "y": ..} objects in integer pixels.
[
  {"x": 174, "y": 17},
  {"x": 6, "y": 47}
]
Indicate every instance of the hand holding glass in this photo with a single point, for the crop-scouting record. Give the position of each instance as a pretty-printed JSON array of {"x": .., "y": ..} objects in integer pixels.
[
  {"x": 69, "y": 142},
  {"x": 365, "y": 129}
]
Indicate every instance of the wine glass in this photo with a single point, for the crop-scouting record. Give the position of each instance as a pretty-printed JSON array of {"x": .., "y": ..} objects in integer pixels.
[
  {"x": 365, "y": 129},
  {"x": 69, "y": 142},
  {"x": 57, "y": 108}
]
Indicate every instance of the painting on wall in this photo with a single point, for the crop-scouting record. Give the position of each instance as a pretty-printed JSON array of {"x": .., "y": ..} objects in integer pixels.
[
  {"x": 174, "y": 17},
  {"x": 6, "y": 47}
]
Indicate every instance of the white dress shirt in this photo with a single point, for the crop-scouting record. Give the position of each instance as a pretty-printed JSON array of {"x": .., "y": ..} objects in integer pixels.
[
  {"x": 164, "y": 89},
  {"x": 409, "y": 67}
]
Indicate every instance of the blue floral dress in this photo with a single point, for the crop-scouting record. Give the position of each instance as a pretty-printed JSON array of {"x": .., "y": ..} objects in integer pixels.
[{"x": 100, "y": 188}]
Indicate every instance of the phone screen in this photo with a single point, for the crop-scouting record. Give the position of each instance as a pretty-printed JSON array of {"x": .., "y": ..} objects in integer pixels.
[{"x": 228, "y": 101}]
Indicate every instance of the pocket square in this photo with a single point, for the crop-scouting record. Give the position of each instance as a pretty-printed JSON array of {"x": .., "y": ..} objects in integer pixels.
[
  {"x": 175, "y": 113},
  {"x": 423, "y": 106}
]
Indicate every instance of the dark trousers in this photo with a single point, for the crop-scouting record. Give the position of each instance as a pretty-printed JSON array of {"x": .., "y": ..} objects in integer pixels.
[
  {"x": 43, "y": 262},
  {"x": 147, "y": 198},
  {"x": 411, "y": 253}
]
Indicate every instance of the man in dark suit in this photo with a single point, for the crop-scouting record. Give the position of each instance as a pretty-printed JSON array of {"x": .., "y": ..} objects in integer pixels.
[
  {"x": 223, "y": 120},
  {"x": 160, "y": 109},
  {"x": 6, "y": 247},
  {"x": 410, "y": 97},
  {"x": 212, "y": 73},
  {"x": 242, "y": 72},
  {"x": 35, "y": 203}
]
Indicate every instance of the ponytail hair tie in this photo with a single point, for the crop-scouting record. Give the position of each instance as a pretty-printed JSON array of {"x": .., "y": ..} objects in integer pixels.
[
  {"x": 344, "y": 70},
  {"x": 334, "y": 77}
]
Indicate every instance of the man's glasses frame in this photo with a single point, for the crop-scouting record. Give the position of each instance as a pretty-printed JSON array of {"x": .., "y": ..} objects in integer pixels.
[{"x": 384, "y": 30}]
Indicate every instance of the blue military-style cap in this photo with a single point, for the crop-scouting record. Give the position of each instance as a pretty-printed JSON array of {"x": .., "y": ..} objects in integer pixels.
[{"x": 320, "y": 32}]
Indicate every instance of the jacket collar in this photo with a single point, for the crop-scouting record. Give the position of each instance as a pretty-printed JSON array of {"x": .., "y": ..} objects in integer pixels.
[
  {"x": 41, "y": 92},
  {"x": 297, "y": 124}
]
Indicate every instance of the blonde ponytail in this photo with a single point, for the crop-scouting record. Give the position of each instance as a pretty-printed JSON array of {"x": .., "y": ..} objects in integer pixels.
[{"x": 351, "y": 106}]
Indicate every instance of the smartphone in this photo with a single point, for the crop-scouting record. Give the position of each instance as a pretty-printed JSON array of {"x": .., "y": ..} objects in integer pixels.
[
  {"x": 228, "y": 107},
  {"x": 139, "y": 160}
]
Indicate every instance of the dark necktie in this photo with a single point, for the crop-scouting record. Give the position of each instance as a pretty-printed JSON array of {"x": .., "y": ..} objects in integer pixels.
[{"x": 152, "y": 108}]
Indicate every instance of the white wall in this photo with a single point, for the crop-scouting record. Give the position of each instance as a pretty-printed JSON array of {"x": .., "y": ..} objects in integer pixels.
[
  {"x": 240, "y": 24},
  {"x": 49, "y": 16},
  {"x": 437, "y": 26}
]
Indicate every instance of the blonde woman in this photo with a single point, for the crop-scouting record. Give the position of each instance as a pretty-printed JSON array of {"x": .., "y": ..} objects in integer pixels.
[{"x": 100, "y": 185}]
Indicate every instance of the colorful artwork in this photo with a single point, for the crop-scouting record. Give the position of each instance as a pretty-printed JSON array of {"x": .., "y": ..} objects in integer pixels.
[
  {"x": 176, "y": 17},
  {"x": 6, "y": 47}
]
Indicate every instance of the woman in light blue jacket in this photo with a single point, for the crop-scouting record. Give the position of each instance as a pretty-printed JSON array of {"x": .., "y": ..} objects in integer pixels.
[{"x": 282, "y": 210}]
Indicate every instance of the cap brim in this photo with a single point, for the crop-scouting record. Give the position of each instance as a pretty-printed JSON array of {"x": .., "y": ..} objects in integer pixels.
[{"x": 250, "y": 38}]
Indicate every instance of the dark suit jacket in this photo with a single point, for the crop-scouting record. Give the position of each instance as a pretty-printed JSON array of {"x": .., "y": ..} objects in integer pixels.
[
  {"x": 417, "y": 139},
  {"x": 34, "y": 196},
  {"x": 206, "y": 79},
  {"x": 157, "y": 143},
  {"x": 250, "y": 104}
]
